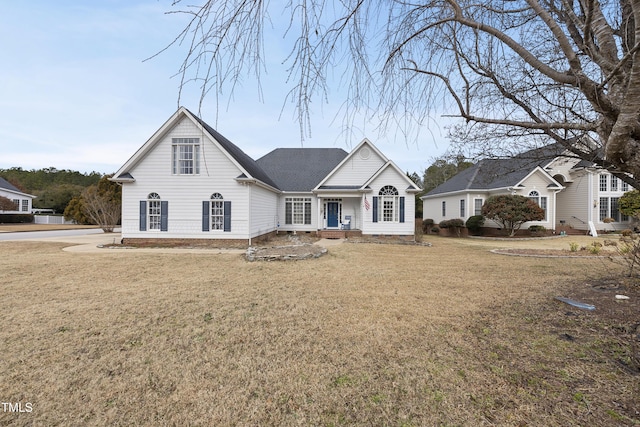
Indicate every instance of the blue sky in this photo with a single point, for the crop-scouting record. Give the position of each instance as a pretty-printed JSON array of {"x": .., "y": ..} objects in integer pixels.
[{"x": 76, "y": 94}]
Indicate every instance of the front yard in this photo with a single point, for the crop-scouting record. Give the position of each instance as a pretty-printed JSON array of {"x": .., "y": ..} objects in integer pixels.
[{"x": 369, "y": 334}]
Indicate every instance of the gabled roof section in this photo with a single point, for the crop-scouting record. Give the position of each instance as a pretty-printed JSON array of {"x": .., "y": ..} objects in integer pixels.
[
  {"x": 249, "y": 167},
  {"x": 411, "y": 186},
  {"x": 490, "y": 174},
  {"x": 348, "y": 156},
  {"x": 552, "y": 182},
  {"x": 253, "y": 170},
  {"x": 300, "y": 169},
  {"x": 7, "y": 186}
]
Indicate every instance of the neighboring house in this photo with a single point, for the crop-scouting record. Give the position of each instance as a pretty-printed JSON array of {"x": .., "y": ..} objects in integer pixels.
[
  {"x": 22, "y": 201},
  {"x": 188, "y": 182},
  {"x": 572, "y": 192}
]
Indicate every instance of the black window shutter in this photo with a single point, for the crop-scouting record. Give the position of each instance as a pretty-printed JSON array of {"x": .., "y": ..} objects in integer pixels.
[
  {"x": 375, "y": 209},
  {"x": 402, "y": 209},
  {"x": 164, "y": 215},
  {"x": 143, "y": 215},
  {"x": 205, "y": 215},
  {"x": 227, "y": 216}
]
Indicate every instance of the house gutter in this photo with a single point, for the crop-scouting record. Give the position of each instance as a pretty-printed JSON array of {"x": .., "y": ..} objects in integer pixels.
[
  {"x": 592, "y": 203},
  {"x": 250, "y": 214}
]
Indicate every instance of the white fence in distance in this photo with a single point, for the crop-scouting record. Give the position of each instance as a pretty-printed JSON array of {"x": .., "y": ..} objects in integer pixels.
[{"x": 51, "y": 219}]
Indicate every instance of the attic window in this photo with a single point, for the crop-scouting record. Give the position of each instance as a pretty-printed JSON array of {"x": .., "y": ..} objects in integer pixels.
[{"x": 185, "y": 156}]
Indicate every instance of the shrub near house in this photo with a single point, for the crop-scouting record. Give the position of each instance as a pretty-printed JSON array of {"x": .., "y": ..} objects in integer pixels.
[{"x": 511, "y": 211}]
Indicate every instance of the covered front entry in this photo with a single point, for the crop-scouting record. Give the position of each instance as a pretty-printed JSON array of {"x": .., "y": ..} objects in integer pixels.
[
  {"x": 333, "y": 214},
  {"x": 339, "y": 213}
]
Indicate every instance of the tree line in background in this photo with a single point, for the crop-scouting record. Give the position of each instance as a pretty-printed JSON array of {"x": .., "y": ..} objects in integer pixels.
[
  {"x": 53, "y": 187},
  {"x": 87, "y": 198}
]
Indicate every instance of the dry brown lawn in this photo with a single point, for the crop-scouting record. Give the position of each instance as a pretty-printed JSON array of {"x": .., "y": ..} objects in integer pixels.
[{"x": 370, "y": 334}]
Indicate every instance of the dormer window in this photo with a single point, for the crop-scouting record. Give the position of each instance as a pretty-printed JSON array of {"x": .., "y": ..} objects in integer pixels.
[{"x": 185, "y": 156}]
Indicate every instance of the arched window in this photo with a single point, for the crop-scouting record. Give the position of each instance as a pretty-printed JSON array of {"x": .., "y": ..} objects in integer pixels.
[
  {"x": 540, "y": 200},
  {"x": 217, "y": 211},
  {"x": 389, "y": 204},
  {"x": 388, "y": 190},
  {"x": 154, "y": 211}
]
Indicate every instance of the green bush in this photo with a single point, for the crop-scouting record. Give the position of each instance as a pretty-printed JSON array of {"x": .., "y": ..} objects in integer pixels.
[
  {"x": 474, "y": 223},
  {"x": 16, "y": 218},
  {"x": 455, "y": 224},
  {"x": 427, "y": 225},
  {"x": 537, "y": 230}
]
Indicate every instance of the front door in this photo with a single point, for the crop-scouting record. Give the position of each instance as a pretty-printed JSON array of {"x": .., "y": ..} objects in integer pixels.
[{"x": 332, "y": 214}]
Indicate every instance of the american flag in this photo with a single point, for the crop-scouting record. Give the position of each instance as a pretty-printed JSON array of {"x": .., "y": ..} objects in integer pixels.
[{"x": 367, "y": 206}]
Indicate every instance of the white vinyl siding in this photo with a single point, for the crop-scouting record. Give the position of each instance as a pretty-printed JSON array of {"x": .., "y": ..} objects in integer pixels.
[
  {"x": 185, "y": 193},
  {"x": 389, "y": 177},
  {"x": 357, "y": 170}
]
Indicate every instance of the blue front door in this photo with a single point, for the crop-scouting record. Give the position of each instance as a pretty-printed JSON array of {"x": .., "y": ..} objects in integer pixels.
[{"x": 332, "y": 214}]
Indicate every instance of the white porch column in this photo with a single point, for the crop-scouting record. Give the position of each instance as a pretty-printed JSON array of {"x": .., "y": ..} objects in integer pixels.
[{"x": 320, "y": 224}]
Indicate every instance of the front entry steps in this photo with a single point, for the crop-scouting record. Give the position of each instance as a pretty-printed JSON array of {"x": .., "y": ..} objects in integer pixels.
[
  {"x": 332, "y": 234},
  {"x": 338, "y": 234}
]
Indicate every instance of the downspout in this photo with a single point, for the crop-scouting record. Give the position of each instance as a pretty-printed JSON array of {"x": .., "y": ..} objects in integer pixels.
[
  {"x": 590, "y": 199},
  {"x": 250, "y": 213},
  {"x": 555, "y": 208}
]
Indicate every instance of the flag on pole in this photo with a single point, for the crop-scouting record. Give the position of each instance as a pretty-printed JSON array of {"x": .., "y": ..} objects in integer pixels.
[{"x": 367, "y": 206}]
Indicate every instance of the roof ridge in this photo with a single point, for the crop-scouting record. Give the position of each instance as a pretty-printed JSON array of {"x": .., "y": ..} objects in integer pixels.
[
  {"x": 475, "y": 174},
  {"x": 246, "y": 161}
]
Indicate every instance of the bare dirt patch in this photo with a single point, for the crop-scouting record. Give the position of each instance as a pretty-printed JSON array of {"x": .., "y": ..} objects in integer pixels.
[
  {"x": 553, "y": 253},
  {"x": 366, "y": 335}
]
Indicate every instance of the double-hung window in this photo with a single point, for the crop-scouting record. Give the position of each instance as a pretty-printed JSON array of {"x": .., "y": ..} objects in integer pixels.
[
  {"x": 540, "y": 201},
  {"x": 185, "y": 156},
  {"x": 297, "y": 210},
  {"x": 610, "y": 208},
  {"x": 154, "y": 212},
  {"x": 217, "y": 212},
  {"x": 389, "y": 204},
  {"x": 603, "y": 182},
  {"x": 462, "y": 208},
  {"x": 477, "y": 206}
]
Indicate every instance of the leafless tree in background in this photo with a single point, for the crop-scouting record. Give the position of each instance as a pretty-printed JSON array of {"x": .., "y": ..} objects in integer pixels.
[
  {"x": 515, "y": 73},
  {"x": 101, "y": 204}
]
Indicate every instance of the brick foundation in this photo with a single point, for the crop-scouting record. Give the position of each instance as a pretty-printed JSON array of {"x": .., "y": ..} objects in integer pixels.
[{"x": 196, "y": 243}]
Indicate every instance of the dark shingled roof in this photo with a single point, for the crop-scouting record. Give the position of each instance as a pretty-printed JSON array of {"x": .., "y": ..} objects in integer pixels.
[
  {"x": 240, "y": 156},
  {"x": 8, "y": 186},
  {"x": 300, "y": 169},
  {"x": 499, "y": 173}
]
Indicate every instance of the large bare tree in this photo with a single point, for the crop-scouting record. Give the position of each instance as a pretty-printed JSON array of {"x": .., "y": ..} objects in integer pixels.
[{"x": 514, "y": 72}]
